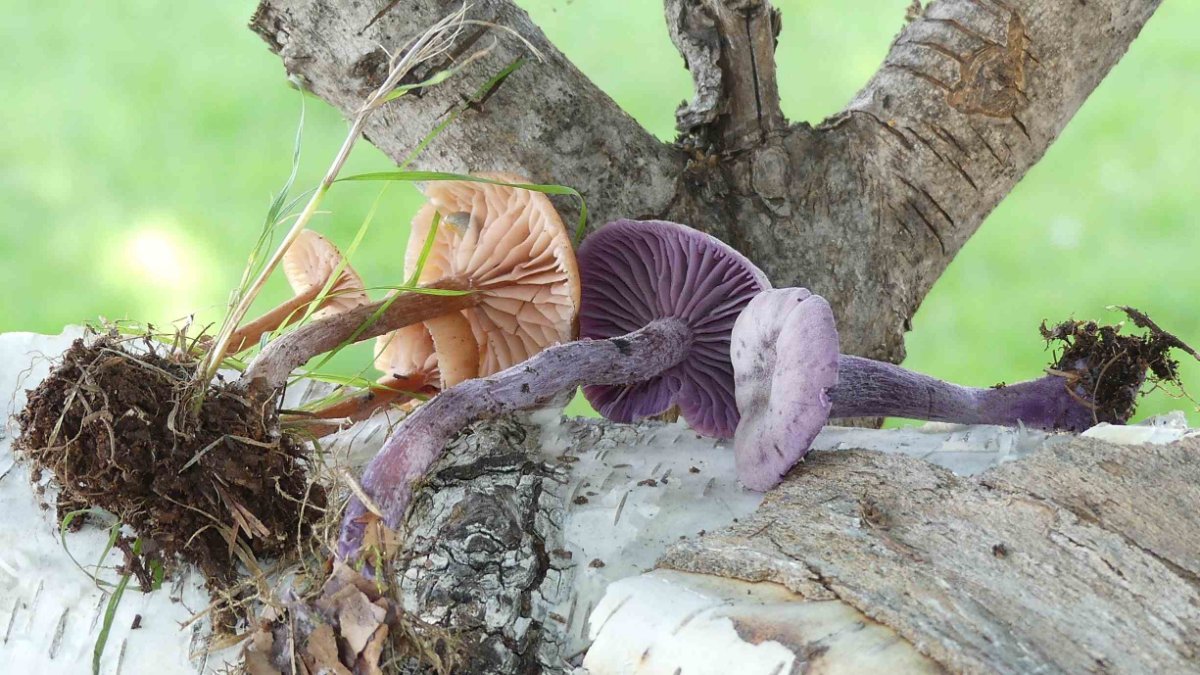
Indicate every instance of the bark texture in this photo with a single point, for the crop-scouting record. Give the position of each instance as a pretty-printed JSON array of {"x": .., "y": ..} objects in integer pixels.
[
  {"x": 479, "y": 545},
  {"x": 866, "y": 208},
  {"x": 1079, "y": 558}
]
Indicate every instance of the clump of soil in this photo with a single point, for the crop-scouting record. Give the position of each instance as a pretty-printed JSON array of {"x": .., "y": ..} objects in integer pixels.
[
  {"x": 1109, "y": 369},
  {"x": 123, "y": 432}
]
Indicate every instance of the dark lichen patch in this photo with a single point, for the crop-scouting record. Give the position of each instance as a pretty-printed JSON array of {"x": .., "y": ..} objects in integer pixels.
[
  {"x": 1109, "y": 369},
  {"x": 200, "y": 478}
]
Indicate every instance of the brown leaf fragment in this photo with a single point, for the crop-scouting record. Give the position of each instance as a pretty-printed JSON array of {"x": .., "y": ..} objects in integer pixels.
[
  {"x": 369, "y": 660},
  {"x": 358, "y": 619},
  {"x": 321, "y": 653},
  {"x": 257, "y": 654}
]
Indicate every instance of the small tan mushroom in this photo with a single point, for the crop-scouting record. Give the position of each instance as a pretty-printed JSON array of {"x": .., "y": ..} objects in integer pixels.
[
  {"x": 505, "y": 246},
  {"x": 513, "y": 246},
  {"x": 307, "y": 264}
]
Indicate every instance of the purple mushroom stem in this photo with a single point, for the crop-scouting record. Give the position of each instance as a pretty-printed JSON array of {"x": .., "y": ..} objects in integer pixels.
[
  {"x": 868, "y": 388},
  {"x": 418, "y": 441}
]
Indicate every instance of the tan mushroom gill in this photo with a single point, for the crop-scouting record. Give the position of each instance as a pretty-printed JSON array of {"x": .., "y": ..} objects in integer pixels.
[{"x": 509, "y": 247}]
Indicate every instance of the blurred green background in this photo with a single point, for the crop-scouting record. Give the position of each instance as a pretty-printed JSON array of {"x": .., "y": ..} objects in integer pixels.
[{"x": 142, "y": 142}]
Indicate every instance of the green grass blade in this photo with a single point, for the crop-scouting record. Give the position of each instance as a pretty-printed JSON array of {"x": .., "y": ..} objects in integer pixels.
[
  {"x": 357, "y": 331},
  {"x": 478, "y": 97},
  {"x": 65, "y": 525},
  {"x": 438, "y": 78},
  {"x": 110, "y": 613},
  {"x": 423, "y": 290},
  {"x": 346, "y": 257},
  {"x": 279, "y": 205},
  {"x": 425, "y": 176},
  {"x": 426, "y": 249}
]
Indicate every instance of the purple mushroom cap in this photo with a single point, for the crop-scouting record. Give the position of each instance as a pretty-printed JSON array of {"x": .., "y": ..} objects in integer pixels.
[
  {"x": 785, "y": 361},
  {"x": 635, "y": 272}
]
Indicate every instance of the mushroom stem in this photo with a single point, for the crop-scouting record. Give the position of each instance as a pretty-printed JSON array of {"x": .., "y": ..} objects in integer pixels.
[
  {"x": 359, "y": 407},
  {"x": 420, "y": 438},
  {"x": 868, "y": 388},
  {"x": 337, "y": 416},
  {"x": 285, "y": 314},
  {"x": 270, "y": 369}
]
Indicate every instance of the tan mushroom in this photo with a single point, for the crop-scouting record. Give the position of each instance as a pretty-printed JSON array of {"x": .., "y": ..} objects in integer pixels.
[
  {"x": 515, "y": 249},
  {"x": 308, "y": 263},
  {"x": 506, "y": 245}
]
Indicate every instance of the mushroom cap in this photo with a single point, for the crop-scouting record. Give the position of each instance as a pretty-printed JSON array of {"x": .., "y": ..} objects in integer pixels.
[
  {"x": 512, "y": 246},
  {"x": 635, "y": 272},
  {"x": 785, "y": 361},
  {"x": 310, "y": 260}
]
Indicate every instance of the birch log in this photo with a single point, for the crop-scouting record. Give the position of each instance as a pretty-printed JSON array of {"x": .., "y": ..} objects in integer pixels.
[{"x": 532, "y": 541}]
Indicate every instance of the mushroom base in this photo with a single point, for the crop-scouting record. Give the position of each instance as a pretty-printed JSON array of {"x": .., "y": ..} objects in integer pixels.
[
  {"x": 869, "y": 388},
  {"x": 1096, "y": 378}
]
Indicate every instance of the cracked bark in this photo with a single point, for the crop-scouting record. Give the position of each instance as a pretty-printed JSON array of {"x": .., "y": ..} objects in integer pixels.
[{"x": 1079, "y": 558}]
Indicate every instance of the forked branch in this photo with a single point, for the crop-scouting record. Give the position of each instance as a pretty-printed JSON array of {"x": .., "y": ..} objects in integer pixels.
[{"x": 866, "y": 208}]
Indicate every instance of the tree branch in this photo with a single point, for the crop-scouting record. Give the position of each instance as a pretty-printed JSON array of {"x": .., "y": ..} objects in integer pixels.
[
  {"x": 970, "y": 96},
  {"x": 1056, "y": 563},
  {"x": 729, "y": 47},
  {"x": 546, "y": 120},
  {"x": 871, "y": 206},
  {"x": 866, "y": 209}
]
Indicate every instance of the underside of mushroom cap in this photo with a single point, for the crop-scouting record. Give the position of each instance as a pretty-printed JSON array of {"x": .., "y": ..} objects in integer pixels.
[
  {"x": 407, "y": 352},
  {"x": 310, "y": 260},
  {"x": 785, "y": 361},
  {"x": 635, "y": 272},
  {"x": 512, "y": 246}
]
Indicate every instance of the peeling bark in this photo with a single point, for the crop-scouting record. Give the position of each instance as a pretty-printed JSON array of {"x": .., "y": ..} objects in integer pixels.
[
  {"x": 866, "y": 208},
  {"x": 1079, "y": 558}
]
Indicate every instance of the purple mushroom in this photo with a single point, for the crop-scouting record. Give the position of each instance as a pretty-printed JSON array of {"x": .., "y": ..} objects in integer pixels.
[
  {"x": 638, "y": 272},
  {"x": 658, "y": 305},
  {"x": 791, "y": 379}
]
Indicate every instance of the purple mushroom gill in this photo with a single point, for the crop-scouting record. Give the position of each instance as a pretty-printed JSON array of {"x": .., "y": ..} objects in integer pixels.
[
  {"x": 638, "y": 272},
  {"x": 791, "y": 379},
  {"x": 658, "y": 307}
]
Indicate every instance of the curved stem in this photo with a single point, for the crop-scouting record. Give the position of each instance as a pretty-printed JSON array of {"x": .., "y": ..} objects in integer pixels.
[
  {"x": 271, "y": 368},
  {"x": 285, "y": 314},
  {"x": 335, "y": 417},
  {"x": 361, "y": 406},
  {"x": 868, "y": 388},
  {"x": 418, "y": 441}
]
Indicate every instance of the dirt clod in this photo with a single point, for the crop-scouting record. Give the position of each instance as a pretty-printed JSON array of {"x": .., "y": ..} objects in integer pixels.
[
  {"x": 1111, "y": 368},
  {"x": 205, "y": 482}
]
